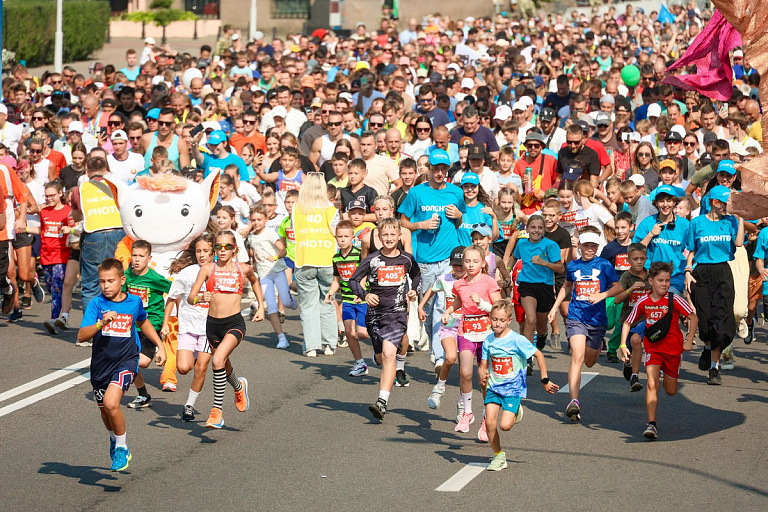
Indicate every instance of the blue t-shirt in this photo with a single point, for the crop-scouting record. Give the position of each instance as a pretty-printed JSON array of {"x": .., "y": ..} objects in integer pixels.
[
  {"x": 714, "y": 242},
  {"x": 525, "y": 250},
  {"x": 420, "y": 203},
  {"x": 588, "y": 277},
  {"x": 761, "y": 249},
  {"x": 507, "y": 362},
  {"x": 131, "y": 74},
  {"x": 668, "y": 246},
  {"x": 472, "y": 216},
  {"x": 211, "y": 163},
  {"x": 116, "y": 343}
]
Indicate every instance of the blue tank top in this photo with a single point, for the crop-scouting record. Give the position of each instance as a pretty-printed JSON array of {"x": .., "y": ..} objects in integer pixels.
[{"x": 173, "y": 151}]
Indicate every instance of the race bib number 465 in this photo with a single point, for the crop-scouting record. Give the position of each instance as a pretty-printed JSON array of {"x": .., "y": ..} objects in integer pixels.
[
  {"x": 120, "y": 327},
  {"x": 391, "y": 275}
]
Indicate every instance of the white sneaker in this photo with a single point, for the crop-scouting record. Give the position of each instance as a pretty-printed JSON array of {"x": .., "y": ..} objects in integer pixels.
[
  {"x": 433, "y": 402},
  {"x": 328, "y": 351},
  {"x": 282, "y": 342},
  {"x": 726, "y": 363},
  {"x": 311, "y": 353},
  {"x": 459, "y": 410},
  {"x": 84, "y": 344},
  {"x": 359, "y": 370},
  {"x": 743, "y": 329},
  {"x": 48, "y": 324}
]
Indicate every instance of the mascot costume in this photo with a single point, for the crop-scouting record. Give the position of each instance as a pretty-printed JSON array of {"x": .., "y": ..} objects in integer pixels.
[{"x": 168, "y": 212}]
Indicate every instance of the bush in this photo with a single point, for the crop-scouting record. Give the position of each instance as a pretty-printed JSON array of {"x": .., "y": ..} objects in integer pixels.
[{"x": 29, "y": 27}]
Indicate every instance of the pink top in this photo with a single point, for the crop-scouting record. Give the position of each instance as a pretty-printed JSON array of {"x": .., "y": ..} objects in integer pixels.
[{"x": 476, "y": 324}]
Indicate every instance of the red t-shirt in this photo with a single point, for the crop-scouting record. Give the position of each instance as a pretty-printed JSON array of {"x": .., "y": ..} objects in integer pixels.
[
  {"x": 672, "y": 343},
  {"x": 53, "y": 243},
  {"x": 548, "y": 178}
]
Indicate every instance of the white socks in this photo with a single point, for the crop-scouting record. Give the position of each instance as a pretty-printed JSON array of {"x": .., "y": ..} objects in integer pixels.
[
  {"x": 399, "y": 362},
  {"x": 192, "y": 397},
  {"x": 384, "y": 395},
  {"x": 467, "y": 397},
  {"x": 120, "y": 441},
  {"x": 440, "y": 384}
]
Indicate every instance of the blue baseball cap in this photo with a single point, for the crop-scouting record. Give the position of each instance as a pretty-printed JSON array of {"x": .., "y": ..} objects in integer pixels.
[
  {"x": 470, "y": 178},
  {"x": 356, "y": 204},
  {"x": 727, "y": 166},
  {"x": 667, "y": 190},
  {"x": 572, "y": 173},
  {"x": 482, "y": 229},
  {"x": 720, "y": 193},
  {"x": 216, "y": 137},
  {"x": 153, "y": 114},
  {"x": 438, "y": 157}
]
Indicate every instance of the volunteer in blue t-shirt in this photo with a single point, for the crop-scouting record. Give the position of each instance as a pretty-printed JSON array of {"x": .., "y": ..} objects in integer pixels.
[
  {"x": 712, "y": 240},
  {"x": 219, "y": 157},
  {"x": 433, "y": 212},
  {"x": 665, "y": 234}
]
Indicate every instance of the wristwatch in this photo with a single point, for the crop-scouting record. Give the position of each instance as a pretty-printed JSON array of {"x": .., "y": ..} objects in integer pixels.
[{"x": 545, "y": 380}]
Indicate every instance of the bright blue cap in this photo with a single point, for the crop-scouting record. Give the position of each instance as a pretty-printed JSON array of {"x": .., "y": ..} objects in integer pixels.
[
  {"x": 438, "y": 157},
  {"x": 217, "y": 137},
  {"x": 153, "y": 114},
  {"x": 470, "y": 178},
  {"x": 727, "y": 166},
  {"x": 720, "y": 193},
  {"x": 665, "y": 189}
]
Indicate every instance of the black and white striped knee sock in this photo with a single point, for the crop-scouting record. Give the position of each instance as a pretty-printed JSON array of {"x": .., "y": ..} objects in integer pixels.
[
  {"x": 234, "y": 381},
  {"x": 219, "y": 385}
]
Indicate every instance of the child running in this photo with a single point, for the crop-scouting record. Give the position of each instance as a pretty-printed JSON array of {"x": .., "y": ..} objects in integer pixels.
[
  {"x": 589, "y": 281},
  {"x": 665, "y": 353},
  {"x": 473, "y": 296},
  {"x": 110, "y": 320},
  {"x": 502, "y": 371},
  {"x": 225, "y": 326},
  {"x": 387, "y": 317}
]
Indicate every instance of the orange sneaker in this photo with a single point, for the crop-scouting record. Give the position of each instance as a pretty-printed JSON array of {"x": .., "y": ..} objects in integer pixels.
[
  {"x": 241, "y": 397},
  {"x": 215, "y": 420}
]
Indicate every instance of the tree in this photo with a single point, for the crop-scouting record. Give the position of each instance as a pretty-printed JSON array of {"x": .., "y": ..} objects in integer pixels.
[{"x": 161, "y": 14}]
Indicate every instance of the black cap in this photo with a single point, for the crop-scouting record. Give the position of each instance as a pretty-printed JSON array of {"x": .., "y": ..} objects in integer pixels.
[
  {"x": 709, "y": 137},
  {"x": 476, "y": 151},
  {"x": 673, "y": 136},
  {"x": 547, "y": 114},
  {"x": 457, "y": 255},
  {"x": 706, "y": 158}
]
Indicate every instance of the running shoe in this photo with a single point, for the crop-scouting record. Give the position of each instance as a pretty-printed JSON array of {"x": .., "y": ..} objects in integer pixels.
[
  {"x": 112, "y": 444},
  {"x": 311, "y": 353},
  {"x": 84, "y": 344},
  {"x": 48, "y": 324},
  {"x": 282, "y": 342},
  {"x": 359, "y": 370},
  {"x": 121, "y": 459},
  {"x": 498, "y": 462},
  {"x": 519, "y": 414},
  {"x": 25, "y": 302},
  {"x": 328, "y": 351},
  {"x": 627, "y": 370},
  {"x": 438, "y": 367},
  {"x": 650, "y": 432},
  {"x": 188, "y": 414},
  {"x": 541, "y": 341},
  {"x": 62, "y": 322},
  {"x": 750, "y": 334},
  {"x": 573, "y": 411},
  {"x": 169, "y": 387},
  {"x": 635, "y": 384},
  {"x": 241, "y": 397},
  {"x": 401, "y": 379},
  {"x": 613, "y": 358},
  {"x": 714, "y": 378},
  {"x": 726, "y": 363},
  {"x": 37, "y": 291},
  {"x": 482, "y": 433},
  {"x": 216, "y": 419},
  {"x": 15, "y": 315},
  {"x": 705, "y": 360},
  {"x": 459, "y": 410},
  {"x": 378, "y": 409},
  {"x": 140, "y": 402},
  {"x": 342, "y": 340},
  {"x": 281, "y": 316},
  {"x": 555, "y": 343},
  {"x": 433, "y": 402},
  {"x": 466, "y": 420},
  {"x": 742, "y": 329}
]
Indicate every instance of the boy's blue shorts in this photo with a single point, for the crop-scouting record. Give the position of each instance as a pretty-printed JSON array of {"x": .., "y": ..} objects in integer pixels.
[
  {"x": 356, "y": 312},
  {"x": 507, "y": 403}
]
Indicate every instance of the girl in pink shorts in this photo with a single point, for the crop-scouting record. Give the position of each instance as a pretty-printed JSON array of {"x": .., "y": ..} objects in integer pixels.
[{"x": 473, "y": 295}]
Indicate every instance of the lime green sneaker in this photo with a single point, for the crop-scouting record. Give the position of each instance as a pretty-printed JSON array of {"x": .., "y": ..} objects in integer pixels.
[
  {"x": 519, "y": 415},
  {"x": 498, "y": 462}
]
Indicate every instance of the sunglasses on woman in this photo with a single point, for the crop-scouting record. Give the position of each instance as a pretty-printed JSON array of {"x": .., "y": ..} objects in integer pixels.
[{"x": 224, "y": 247}]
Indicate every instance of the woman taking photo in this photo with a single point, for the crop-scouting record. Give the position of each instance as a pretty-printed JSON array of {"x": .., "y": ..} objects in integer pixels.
[
  {"x": 314, "y": 221},
  {"x": 421, "y": 137}
]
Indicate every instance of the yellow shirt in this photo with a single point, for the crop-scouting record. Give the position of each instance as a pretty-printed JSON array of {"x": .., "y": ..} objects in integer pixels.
[
  {"x": 756, "y": 131},
  {"x": 99, "y": 210},
  {"x": 315, "y": 243}
]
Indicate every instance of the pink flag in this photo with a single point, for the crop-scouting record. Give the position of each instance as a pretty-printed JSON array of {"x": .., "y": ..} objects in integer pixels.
[{"x": 709, "y": 52}]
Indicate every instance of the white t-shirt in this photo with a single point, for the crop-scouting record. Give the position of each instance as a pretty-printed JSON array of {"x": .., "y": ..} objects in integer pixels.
[
  {"x": 37, "y": 190},
  {"x": 125, "y": 170},
  {"x": 263, "y": 246},
  {"x": 10, "y": 136},
  {"x": 274, "y": 224},
  {"x": 381, "y": 172},
  {"x": 249, "y": 193},
  {"x": 596, "y": 215},
  {"x": 241, "y": 209},
  {"x": 192, "y": 319}
]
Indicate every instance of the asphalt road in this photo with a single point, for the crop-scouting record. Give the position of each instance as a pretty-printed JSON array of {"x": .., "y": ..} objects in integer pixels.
[{"x": 308, "y": 441}]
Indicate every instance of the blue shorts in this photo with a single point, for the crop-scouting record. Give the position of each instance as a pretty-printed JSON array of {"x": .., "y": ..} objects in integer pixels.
[
  {"x": 289, "y": 263},
  {"x": 593, "y": 333},
  {"x": 123, "y": 376},
  {"x": 507, "y": 403},
  {"x": 356, "y": 312}
]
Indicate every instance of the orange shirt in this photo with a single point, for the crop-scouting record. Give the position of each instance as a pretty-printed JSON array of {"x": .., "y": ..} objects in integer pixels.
[
  {"x": 548, "y": 178},
  {"x": 18, "y": 192},
  {"x": 258, "y": 140},
  {"x": 58, "y": 160}
]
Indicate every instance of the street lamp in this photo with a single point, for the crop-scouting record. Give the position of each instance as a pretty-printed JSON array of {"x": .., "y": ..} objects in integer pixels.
[{"x": 58, "y": 54}]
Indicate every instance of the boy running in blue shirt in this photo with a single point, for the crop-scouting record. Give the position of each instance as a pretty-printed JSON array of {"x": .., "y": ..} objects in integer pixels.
[
  {"x": 589, "y": 281},
  {"x": 503, "y": 370},
  {"x": 110, "y": 321}
]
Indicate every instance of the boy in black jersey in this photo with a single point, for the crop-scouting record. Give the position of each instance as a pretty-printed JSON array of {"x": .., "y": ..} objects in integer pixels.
[{"x": 387, "y": 297}]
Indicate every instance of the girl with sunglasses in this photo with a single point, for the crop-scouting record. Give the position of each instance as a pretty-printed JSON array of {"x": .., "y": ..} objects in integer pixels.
[{"x": 225, "y": 326}]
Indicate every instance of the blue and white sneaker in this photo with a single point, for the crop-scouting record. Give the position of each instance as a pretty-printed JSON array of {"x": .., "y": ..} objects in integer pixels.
[
  {"x": 37, "y": 291},
  {"x": 121, "y": 459}
]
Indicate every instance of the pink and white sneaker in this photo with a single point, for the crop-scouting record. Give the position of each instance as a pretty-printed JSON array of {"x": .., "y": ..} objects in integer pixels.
[
  {"x": 482, "y": 434},
  {"x": 466, "y": 420}
]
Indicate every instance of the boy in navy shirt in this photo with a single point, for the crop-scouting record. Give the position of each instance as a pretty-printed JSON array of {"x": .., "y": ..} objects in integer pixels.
[
  {"x": 589, "y": 280},
  {"x": 615, "y": 252},
  {"x": 110, "y": 321}
]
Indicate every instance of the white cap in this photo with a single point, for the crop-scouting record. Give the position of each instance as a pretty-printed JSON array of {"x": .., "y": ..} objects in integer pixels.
[
  {"x": 149, "y": 40},
  {"x": 526, "y": 100},
  {"x": 503, "y": 112},
  {"x": 738, "y": 53},
  {"x": 654, "y": 110},
  {"x": 589, "y": 238},
  {"x": 279, "y": 111},
  {"x": 467, "y": 83},
  {"x": 637, "y": 179},
  {"x": 157, "y": 79},
  {"x": 256, "y": 35},
  {"x": 454, "y": 67},
  {"x": 75, "y": 126},
  {"x": 235, "y": 37},
  {"x": 346, "y": 96},
  {"x": 678, "y": 128},
  {"x": 518, "y": 105},
  {"x": 116, "y": 135},
  {"x": 3, "y": 109}
]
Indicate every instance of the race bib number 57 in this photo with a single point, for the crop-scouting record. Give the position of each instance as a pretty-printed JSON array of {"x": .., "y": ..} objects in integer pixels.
[
  {"x": 120, "y": 327},
  {"x": 502, "y": 365}
]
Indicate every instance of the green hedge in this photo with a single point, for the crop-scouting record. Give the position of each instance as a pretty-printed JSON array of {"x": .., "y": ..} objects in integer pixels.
[{"x": 29, "y": 27}]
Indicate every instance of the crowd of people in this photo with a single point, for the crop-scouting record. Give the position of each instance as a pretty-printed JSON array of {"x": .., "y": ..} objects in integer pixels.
[{"x": 465, "y": 187}]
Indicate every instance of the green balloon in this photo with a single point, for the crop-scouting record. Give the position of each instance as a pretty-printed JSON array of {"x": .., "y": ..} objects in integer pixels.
[{"x": 631, "y": 75}]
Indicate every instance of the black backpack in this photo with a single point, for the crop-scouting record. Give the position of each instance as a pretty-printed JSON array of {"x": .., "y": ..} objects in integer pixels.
[{"x": 657, "y": 331}]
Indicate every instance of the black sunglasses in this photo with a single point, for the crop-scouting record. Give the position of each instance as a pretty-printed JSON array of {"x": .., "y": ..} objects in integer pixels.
[{"x": 165, "y": 123}]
